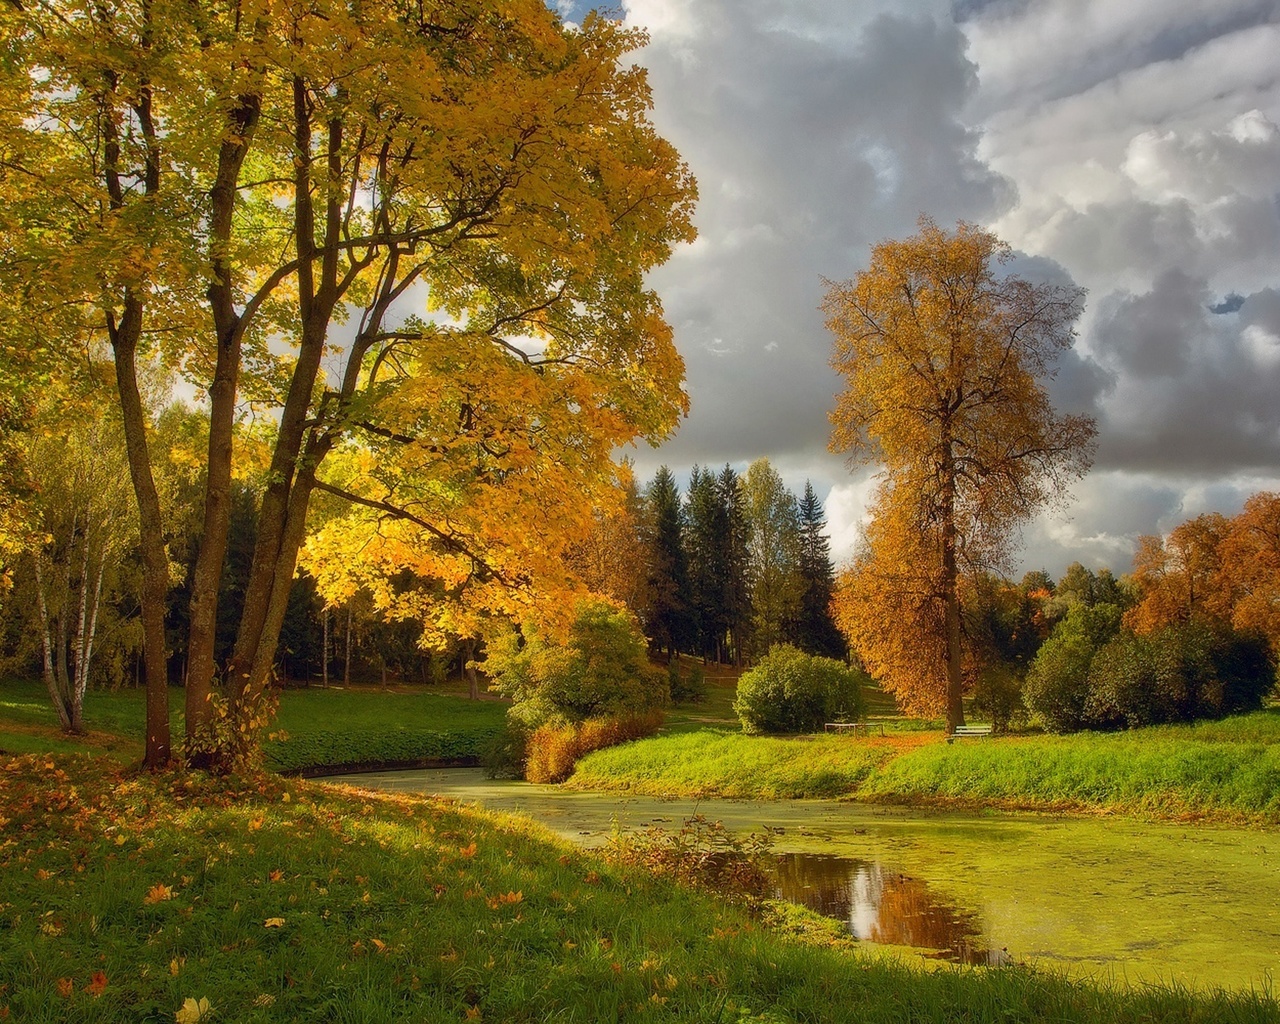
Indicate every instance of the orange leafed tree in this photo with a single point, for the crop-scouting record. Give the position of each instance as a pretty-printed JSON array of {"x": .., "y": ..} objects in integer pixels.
[
  {"x": 944, "y": 360},
  {"x": 1214, "y": 569},
  {"x": 1180, "y": 578}
]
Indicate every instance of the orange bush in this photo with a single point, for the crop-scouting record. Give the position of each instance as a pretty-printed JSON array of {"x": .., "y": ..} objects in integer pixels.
[{"x": 553, "y": 750}]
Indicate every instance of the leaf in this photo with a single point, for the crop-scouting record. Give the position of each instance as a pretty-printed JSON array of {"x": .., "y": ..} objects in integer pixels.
[
  {"x": 158, "y": 894},
  {"x": 193, "y": 1011},
  {"x": 273, "y": 922},
  {"x": 276, "y": 875},
  {"x": 65, "y": 987},
  {"x": 97, "y": 984}
]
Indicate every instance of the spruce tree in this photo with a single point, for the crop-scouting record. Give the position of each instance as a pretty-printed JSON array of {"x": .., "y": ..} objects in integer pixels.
[
  {"x": 667, "y": 624},
  {"x": 815, "y": 629}
]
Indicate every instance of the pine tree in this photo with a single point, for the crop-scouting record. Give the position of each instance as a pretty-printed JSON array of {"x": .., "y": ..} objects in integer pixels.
[
  {"x": 735, "y": 600},
  {"x": 668, "y": 622},
  {"x": 815, "y": 628},
  {"x": 704, "y": 528}
]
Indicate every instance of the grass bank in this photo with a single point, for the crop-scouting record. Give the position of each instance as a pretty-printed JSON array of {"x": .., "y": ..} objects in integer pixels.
[
  {"x": 1228, "y": 770},
  {"x": 330, "y": 728},
  {"x": 265, "y": 899}
]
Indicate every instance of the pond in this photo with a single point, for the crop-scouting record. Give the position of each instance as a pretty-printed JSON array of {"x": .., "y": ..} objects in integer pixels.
[{"x": 1109, "y": 897}]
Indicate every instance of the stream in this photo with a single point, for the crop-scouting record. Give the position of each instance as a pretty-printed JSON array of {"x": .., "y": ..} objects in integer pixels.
[{"x": 1108, "y": 897}]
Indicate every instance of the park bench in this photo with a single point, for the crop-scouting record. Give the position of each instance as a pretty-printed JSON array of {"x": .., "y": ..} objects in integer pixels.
[
  {"x": 856, "y": 728},
  {"x": 970, "y": 731}
]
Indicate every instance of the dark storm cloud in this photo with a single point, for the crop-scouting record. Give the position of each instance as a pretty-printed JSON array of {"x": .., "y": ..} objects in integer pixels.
[{"x": 1196, "y": 391}]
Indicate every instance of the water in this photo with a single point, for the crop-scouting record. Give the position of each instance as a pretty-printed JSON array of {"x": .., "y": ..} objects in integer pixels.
[{"x": 1116, "y": 898}]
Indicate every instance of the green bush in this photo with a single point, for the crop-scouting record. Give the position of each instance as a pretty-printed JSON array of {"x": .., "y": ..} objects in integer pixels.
[
  {"x": 1057, "y": 685},
  {"x": 686, "y": 687},
  {"x": 790, "y": 691},
  {"x": 1184, "y": 672},
  {"x": 600, "y": 670}
]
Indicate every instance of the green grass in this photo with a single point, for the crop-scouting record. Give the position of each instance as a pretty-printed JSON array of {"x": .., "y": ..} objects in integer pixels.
[
  {"x": 327, "y": 728},
  {"x": 278, "y": 900},
  {"x": 720, "y": 764},
  {"x": 1226, "y": 770}
]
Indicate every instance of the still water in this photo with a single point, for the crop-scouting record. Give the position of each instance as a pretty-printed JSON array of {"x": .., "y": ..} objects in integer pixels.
[{"x": 1107, "y": 897}]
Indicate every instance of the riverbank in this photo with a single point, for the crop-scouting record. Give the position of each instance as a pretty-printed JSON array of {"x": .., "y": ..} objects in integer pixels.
[
  {"x": 265, "y": 899},
  {"x": 1227, "y": 771}
]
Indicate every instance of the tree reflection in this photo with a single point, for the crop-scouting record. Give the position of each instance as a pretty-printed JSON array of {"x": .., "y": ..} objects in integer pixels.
[{"x": 884, "y": 906}]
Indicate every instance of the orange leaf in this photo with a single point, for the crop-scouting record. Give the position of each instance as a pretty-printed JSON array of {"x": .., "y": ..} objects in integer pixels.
[
  {"x": 65, "y": 987},
  {"x": 97, "y": 984},
  {"x": 473, "y": 1013},
  {"x": 276, "y": 875},
  {"x": 469, "y": 850},
  {"x": 157, "y": 894}
]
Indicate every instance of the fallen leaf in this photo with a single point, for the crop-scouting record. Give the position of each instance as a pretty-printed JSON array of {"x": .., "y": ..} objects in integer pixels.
[
  {"x": 97, "y": 984},
  {"x": 158, "y": 894},
  {"x": 379, "y": 945},
  {"x": 276, "y": 875},
  {"x": 65, "y": 987},
  {"x": 264, "y": 1000},
  {"x": 468, "y": 851},
  {"x": 473, "y": 1013},
  {"x": 273, "y": 922},
  {"x": 193, "y": 1011}
]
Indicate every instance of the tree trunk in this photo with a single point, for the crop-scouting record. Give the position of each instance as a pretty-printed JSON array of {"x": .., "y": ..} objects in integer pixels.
[
  {"x": 229, "y": 331},
  {"x": 46, "y": 640},
  {"x": 469, "y": 666},
  {"x": 950, "y": 585},
  {"x": 324, "y": 646},
  {"x": 346, "y": 661},
  {"x": 155, "y": 561}
]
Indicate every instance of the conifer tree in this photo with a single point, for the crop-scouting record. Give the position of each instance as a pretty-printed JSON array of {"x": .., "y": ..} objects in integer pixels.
[
  {"x": 668, "y": 622},
  {"x": 815, "y": 629}
]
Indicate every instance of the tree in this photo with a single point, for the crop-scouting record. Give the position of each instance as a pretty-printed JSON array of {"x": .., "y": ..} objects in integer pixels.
[
  {"x": 944, "y": 361},
  {"x": 668, "y": 623},
  {"x": 815, "y": 630},
  {"x": 1180, "y": 579},
  {"x": 235, "y": 181},
  {"x": 1250, "y": 567},
  {"x": 612, "y": 560},
  {"x": 83, "y": 501},
  {"x": 773, "y": 554}
]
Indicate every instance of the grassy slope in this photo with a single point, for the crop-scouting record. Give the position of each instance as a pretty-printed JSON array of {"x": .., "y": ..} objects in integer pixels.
[
  {"x": 279, "y": 900},
  {"x": 321, "y": 727},
  {"x": 1226, "y": 769}
]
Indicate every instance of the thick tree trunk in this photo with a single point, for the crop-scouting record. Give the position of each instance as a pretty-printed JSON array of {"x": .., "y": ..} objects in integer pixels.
[
  {"x": 155, "y": 561},
  {"x": 228, "y": 328},
  {"x": 951, "y": 589}
]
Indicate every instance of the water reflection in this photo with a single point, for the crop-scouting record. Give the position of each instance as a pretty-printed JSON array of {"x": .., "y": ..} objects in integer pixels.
[{"x": 882, "y": 905}]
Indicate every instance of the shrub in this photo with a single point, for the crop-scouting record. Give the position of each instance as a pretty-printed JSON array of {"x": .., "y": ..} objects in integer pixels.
[
  {"x": 686, "y": 687},
  {"x": 1181, "y": 673},
  {"x": 553, "y": 750},
  {"x": 1057, "y": 684},
  {"x": 600, "y": 670},
  {"x": 790, "y": 691},
  {"x": 998, "y": 694}
]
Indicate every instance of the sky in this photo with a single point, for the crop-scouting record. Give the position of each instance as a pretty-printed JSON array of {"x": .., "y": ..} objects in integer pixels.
[{"x": 1129, "y": 148}]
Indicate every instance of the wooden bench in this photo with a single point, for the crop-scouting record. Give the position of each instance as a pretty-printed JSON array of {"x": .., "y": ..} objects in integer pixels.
[
  {"x": 854, "y": 727},
  {"x": 970, "y": 732}
]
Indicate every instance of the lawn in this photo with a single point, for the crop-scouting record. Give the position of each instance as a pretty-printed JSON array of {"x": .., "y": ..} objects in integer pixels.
[
  {"x": 262, "y": 899},
  {"x": 315, "y": 727}
]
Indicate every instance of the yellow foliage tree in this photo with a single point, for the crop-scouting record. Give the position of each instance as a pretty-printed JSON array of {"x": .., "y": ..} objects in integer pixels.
[
  {"x": 474, "y": 190},
  {"x": 944, "y": 360}
]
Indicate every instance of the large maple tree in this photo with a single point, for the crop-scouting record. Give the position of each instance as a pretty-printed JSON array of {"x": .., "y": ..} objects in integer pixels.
[
  {"x": 944, "y": 359},
  {"x": 412, "y": 233}
]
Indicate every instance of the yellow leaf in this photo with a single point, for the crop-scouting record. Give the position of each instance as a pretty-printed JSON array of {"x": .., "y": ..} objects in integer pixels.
[
  {"x": 193, "y": 1011},
  {"x": 273, "y": 922}
]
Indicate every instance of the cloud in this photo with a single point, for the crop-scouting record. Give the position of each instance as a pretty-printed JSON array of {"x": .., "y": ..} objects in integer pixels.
[
  {"x": 814, "y": 130},
  {"x": 1128, "y": 148}
]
